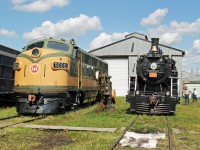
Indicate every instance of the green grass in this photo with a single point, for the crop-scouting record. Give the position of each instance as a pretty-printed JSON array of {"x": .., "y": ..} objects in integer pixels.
[
  {"x": 186, "y": 118},
  {"x": 6, "y": 112}
]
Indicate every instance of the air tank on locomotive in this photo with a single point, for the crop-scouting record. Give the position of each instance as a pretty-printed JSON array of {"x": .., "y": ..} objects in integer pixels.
[{"x": 155, "y": 88}]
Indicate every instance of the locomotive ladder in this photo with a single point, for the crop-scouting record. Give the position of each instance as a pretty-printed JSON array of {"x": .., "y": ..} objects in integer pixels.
[
  {"x": 174, "y": 87},
  {"x": 132, "y": 85}
]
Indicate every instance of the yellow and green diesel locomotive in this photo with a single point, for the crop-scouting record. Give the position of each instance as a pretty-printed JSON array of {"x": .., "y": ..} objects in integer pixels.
[{"x": 52, "y": 74}]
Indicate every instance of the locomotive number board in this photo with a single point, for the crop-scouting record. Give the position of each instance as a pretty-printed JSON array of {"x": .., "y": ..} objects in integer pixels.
[{"x": 153, "y": 74}]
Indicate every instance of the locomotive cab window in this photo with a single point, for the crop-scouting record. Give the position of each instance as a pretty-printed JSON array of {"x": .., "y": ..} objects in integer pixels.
[
  {"x": 38, "y": 44},
  {"x": 57, "y": 45}
]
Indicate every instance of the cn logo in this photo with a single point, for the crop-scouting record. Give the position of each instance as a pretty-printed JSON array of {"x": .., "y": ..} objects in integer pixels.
[{"x": 35, "y": 68}]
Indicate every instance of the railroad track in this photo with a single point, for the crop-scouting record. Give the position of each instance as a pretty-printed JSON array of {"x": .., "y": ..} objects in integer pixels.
[
  {"x": 5, "y": 125},
  {"x": 1, "y": 119},
  {"x": 116, "y": 142},
  {"x": 124, "y": 132},
  {"x": 169, "y": 133}
]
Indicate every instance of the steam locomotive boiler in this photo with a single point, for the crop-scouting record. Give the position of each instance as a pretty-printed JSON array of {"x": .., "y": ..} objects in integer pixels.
[{"x": 155, "y": 88}]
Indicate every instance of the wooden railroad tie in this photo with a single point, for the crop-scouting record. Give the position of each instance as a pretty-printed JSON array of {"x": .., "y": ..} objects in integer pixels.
[{"x": 47, "y": 127}]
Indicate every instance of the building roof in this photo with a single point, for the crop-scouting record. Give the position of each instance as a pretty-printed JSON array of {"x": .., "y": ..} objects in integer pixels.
[
  {"x": 127, "y": 46},
  {"x": 6, "y": 51}
]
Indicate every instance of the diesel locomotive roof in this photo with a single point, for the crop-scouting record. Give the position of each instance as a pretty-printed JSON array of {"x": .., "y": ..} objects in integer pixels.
[
  {"x": 68, "y": 45},
  {"x": 53, "y": 43}
]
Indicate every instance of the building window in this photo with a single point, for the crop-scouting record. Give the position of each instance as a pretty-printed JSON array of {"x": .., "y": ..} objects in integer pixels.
[{"x": 132, "y": 47}]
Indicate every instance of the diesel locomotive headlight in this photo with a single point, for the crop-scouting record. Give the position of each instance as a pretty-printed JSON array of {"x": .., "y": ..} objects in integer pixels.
[
  {"x": 16, "y": 66},
  {"x": 59, "y": 65},
  {"x": 36, "y": 53}
]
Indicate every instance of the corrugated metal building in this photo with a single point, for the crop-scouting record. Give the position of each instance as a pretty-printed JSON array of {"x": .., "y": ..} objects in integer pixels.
[{"x": 122, "y": 55}]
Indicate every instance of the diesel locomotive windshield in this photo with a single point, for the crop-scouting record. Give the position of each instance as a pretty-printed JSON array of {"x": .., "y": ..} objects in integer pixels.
[
  {"x": 46, "y": 43},
  {"x": 37, "y": 44},
  {"x": 57, "y": 45}
]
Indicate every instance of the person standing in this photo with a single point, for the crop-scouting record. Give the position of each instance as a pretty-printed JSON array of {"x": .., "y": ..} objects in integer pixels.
[
  {"x": 194, "y": 95},
  {"x": 187, "y": 96}
]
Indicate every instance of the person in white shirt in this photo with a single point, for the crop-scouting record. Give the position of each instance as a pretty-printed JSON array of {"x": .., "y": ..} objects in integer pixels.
[{"x": 187, "y": 94}]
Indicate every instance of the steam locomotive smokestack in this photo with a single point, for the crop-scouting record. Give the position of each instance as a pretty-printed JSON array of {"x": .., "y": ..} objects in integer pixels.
[{"x": 154, "y": 45}]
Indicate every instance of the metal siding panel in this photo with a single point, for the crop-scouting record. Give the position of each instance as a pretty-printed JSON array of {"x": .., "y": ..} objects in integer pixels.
[
  {"x": 186, "y": 76},
  {"x": 132, "y": 65},
  {"x": 118, "y": 69}
]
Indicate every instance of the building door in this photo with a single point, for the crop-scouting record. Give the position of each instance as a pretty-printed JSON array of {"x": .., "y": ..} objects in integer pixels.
[{"x": 118, "y": 69}]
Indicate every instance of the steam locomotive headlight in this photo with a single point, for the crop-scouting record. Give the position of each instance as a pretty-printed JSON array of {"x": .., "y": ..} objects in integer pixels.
[
  {"x": 60, "y": 66},
  {"x": 167, "y": 93},
  {"x": 137, "y": 92},
  {"x": 36, "y": 53},
  {"x": 153, "y": 66}
]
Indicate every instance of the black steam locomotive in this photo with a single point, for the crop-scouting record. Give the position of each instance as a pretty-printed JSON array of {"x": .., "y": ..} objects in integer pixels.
[
  {"x": 7, "y": 58},
  {"x": 155, "y": 88}
]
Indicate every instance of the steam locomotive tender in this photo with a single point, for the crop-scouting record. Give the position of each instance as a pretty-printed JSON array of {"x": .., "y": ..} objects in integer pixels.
[
  {"x": 53, "y": 74},
  {"x": 155, "y": 88}
]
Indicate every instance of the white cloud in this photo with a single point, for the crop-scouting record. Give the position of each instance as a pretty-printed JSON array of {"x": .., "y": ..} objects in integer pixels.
[
  {"x": 191, "y": 59},
  {"x": 7, "y": 33},
  {"x": 38, "y": 5},
  {"x": 154, "y": 18},
  {"x": 173, "y": 33},
  {"x": 196, "y": 45},
  {"x": 104, "y": 39},
  {"x": 15, "y": 2},
  {"x": 69, "y": 28},
  {"x": 185, "y": 27},
  {"x": 170, "y": 38}
]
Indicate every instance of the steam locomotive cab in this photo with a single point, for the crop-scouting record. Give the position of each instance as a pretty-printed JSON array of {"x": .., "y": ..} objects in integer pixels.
[{"x": 154, "y": 90}]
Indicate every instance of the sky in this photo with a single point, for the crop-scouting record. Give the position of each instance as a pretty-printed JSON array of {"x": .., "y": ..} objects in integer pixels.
[{"x": 95, "y": 23}]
